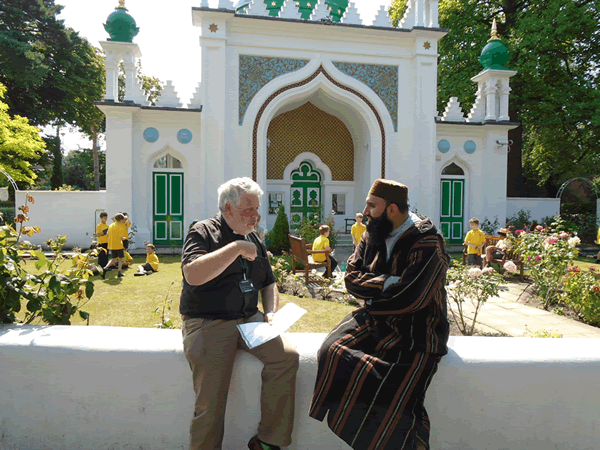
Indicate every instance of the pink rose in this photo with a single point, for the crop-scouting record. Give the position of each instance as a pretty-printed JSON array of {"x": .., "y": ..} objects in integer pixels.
[
  {"x": 563, "y": 235},
  {"x": 487, "y": 270},
  {"x": 539, "y": 228},
  {"x": 510, "y": 266},
  {"x": 474, "y": 272}
]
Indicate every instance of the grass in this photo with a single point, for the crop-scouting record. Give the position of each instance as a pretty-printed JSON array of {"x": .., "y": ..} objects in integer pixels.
[{"x": 130, "y": 301}]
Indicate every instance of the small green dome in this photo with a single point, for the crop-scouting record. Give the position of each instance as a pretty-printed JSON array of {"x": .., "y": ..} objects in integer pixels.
[
  {"x": 120, "y": 25},
  {"x": 494, "y": 55}
]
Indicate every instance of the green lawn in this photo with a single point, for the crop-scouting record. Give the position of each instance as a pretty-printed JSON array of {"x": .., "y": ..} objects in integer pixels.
[{"x": 130, "y": 301}]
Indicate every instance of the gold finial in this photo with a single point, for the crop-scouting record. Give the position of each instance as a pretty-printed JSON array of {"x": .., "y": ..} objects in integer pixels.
[
  {"x": 495, "y": 36},
  {"x": 121, "y": 3}
]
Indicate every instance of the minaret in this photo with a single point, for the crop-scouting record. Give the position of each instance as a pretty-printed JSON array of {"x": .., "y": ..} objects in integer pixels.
[
  {"x": 121, "y": 27},
  {"x": 493, "y": 87}
]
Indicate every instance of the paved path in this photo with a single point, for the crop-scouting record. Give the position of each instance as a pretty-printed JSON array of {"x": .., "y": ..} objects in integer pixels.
[{"x": 510, "y": 315}]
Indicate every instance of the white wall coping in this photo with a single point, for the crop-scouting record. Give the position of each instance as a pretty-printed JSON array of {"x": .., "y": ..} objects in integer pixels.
[{"x": 109, "y": 387}]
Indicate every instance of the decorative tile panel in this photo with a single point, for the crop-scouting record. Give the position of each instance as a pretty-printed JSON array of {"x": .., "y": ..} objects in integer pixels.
[
  {"x": 256, "y": 71},
  {"x": 383, "y": 80}
]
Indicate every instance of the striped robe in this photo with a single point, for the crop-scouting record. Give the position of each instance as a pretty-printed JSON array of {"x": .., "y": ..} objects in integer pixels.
[{"x": 375, "y": 366}]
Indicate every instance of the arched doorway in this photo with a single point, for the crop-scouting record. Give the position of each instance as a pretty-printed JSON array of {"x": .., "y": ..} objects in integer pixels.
[
  {"x": 167, "y": 201},
  {"x": 452, "y": 208}
]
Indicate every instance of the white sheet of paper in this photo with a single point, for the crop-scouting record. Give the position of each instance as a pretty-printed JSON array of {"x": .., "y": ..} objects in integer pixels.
[{"x": 257, "y": 333}]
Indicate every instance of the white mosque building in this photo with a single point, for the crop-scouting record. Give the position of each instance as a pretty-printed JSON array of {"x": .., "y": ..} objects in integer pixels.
[{"x": 313, "y": 104}]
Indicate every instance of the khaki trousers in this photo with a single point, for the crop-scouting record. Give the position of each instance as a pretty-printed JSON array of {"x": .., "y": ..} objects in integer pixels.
[{"x": 210, "y": 347}]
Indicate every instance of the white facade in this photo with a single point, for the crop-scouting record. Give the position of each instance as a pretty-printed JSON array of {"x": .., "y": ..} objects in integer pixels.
[{"x": 375, "y": 81}]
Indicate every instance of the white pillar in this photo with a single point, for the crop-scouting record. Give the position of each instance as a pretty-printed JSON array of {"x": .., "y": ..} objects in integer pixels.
[
  {"x": 490, "y": 103},
  {"x": 119, "y": 158},
  {"x": 504, "y": 93},
  {"x": 420, "y": 13},
  {"x": 111, "y": 64},
  {"x": 434, "y": 4},
  {"x": 129, "y": 65}
]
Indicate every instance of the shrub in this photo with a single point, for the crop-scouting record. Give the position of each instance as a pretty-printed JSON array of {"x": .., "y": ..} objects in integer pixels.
[
  {"x": 7, "y": 214},
  {"x": 521, "y": 220},
  {"x": 488, "y": 227},
  {"x": 277, "y": 239},
  {"x": 55, "y": 295},
  {"x": 549, "y": 252},
  {"x": 582, "y": 294},
  {"x": 473, "y": 284}
]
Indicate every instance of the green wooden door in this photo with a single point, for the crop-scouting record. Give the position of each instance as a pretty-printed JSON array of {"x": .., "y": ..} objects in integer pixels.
[
  {"x": 167, "y": 208},
  {"x": 452, "y": 211},
  {"x": 305, "y": 193}
]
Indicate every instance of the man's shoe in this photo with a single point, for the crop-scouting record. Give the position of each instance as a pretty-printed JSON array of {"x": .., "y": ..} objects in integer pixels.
[
  {"x": 103, "y": 273},
  {"x": 139, "y": 274},
  {"x": 120, "y": 274},
  {"x": 256, "y": 444}
]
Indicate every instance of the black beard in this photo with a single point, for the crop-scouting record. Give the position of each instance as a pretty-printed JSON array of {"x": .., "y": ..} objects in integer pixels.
[{"x": 379, "y": 228}]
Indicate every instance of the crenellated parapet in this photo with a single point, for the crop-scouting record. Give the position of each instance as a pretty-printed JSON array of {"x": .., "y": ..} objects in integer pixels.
[{"x": 419, "y": 13}]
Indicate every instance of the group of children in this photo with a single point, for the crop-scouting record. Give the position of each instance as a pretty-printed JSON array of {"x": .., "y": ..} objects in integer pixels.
[
  {"x": 475, "y": 240},
  {"x": 114, "y": 238}
]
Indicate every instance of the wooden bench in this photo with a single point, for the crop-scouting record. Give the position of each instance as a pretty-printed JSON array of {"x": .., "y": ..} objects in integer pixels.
[
  {"x": 300, "y": 251},
  {"x": 509, "y": 255},
  {"x": 489, "y": 240}
]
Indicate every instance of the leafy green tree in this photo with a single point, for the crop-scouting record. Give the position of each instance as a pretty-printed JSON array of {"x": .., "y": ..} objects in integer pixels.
[
  {"x": 20, "y": 145},
  {"x": 78, "y": 169},
  {"x": 555, "y": 47}
]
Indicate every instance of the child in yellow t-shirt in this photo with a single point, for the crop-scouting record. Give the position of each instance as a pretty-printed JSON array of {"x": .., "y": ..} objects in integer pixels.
[
  {"x": 102, "y": 239},
  {"x": 151, "y": 264},
  {"x": 357, "y": 229},
  {"x": 322, "y": 243},
  {"x": 116, "y": 233},
  {"x": 474, "y": 241}
]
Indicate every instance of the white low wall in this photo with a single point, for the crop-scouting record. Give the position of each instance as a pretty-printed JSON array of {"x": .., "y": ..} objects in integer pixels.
[
  {"x": 126, "y": 388},
  {"x": 71, "y": 213},
  {"x": 538, "y": 207}
]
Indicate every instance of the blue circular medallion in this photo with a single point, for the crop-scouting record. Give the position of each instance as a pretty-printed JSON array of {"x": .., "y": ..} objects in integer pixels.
[
  {"x": 151, "y": 134},
  {"x": 470, "y": 147},
  {"x": 444, "y": 146},
  {"x": 184, "y": 136}
]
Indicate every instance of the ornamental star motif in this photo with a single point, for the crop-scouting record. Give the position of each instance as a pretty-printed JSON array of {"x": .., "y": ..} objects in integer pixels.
[
  {"x": 213, "y": 27},
  {"x": 427, "y": 45}
]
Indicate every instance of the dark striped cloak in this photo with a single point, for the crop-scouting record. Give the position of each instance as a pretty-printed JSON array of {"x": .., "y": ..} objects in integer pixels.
[{"x": 375, "y": 366}]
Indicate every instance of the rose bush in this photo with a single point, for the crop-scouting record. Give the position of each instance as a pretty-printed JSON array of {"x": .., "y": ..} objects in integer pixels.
[
  {"x": 548, "y": 251},
  {"x": 582, "y": 294},
  {"x": 54, "y": 295},
  {"x": 468, "y": 283}
]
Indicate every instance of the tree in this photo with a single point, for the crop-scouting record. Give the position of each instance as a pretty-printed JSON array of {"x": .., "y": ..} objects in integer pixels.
[
  {"x": 278, "y": 238},
  {"x": 555, "y": 47},
  {"x": 78, "y": 169},
  {"x": 52, "y": 75},
  {"x": 20, "y": 145}
]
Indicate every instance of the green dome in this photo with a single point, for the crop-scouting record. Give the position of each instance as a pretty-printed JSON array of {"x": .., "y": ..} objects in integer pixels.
[
  {"x": 494, "y": 56},
  {"x": 121, "y": 26}
]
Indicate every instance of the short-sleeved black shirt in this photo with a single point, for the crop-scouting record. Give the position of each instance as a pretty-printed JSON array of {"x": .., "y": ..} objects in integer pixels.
[{"x": 221, "y": 297}]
